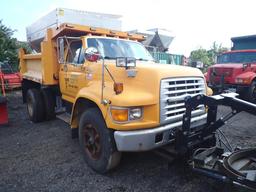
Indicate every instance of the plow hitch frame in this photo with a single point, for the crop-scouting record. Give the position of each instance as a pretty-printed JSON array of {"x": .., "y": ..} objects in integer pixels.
[{"x": 237, "y": 167}]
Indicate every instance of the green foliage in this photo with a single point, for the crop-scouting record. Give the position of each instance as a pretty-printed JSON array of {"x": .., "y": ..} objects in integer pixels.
[
  {"x": 208, "y": 57},
  {"x": 24, "y": 45},
  {"x": 9, "y": 46},
  {"x": 215, "y": 51},
  {"x": 200, "y": 55}
]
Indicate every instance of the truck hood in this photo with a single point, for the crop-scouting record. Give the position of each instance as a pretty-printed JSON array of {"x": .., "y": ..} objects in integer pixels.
[
  {"x": 144, "y": 88},
  {"x": 228, "y": 65},
  {"x": 168, "y": 70}
]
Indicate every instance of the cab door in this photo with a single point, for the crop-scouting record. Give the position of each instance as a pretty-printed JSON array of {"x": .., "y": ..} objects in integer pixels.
[{"x": 72, "y": 75}]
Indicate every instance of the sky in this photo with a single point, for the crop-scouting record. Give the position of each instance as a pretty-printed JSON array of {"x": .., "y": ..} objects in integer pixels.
[{"x": 195, "y": 23}]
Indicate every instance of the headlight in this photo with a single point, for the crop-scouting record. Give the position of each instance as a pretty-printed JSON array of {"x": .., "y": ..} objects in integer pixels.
[
  {"x": 238, "y": 80},
  {"x": 135, "y": 113},
  {"x": 121, "y": 114},
  {"x": 243, "y": 80}
]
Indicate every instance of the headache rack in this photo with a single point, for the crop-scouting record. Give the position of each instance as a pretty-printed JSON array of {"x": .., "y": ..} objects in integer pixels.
[{"x": 82, "y": 30}]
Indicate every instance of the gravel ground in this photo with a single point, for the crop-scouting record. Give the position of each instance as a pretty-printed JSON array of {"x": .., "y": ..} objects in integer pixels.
[{"x": 43, "y": 157}]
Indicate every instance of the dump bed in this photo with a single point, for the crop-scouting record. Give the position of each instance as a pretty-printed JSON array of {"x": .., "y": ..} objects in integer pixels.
[
  {"x": 31, "y": 66},
  {"x": 244, "y": 42},
  {"x": 41, "y": 67}
]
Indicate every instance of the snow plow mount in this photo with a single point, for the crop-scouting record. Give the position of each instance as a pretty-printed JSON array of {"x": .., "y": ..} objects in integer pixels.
[{"x": 237, "y": 167}]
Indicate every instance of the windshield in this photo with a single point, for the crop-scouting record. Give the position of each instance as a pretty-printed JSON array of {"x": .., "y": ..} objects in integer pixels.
[
  {"x": 5, "y": 68},
  {"x": 237, "y": 57},
  {"x": 113, "y": 48}
]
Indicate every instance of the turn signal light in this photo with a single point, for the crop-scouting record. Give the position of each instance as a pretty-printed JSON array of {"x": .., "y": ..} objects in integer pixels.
[
  {"x": 243, "y": 80},
  {"x": 120, "y": 115}
]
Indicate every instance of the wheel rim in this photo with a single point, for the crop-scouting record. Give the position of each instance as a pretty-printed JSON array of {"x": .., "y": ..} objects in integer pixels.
[
  {"x": 30, "y": 107},
  {"x": 92, "y": 141}
]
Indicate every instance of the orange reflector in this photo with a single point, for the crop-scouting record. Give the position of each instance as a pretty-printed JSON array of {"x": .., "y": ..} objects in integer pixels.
[
  {"x": 118, "y": 88},
  {"x": 119, "y": 114},
  {"x": 246, "y": 80}
]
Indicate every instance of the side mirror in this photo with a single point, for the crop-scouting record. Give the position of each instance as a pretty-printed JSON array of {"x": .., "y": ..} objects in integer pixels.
[
  {"x": 92, "y": 54},
  {"x": 121, "y": 62},
  {"x": 245, "y": 65}
]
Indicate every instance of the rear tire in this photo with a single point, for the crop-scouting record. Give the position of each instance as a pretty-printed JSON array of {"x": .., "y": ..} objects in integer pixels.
[
  {"x": 97, "y": 142},
  {"x": 35, "y": 105},
  {"x": 49, "y": 103}
]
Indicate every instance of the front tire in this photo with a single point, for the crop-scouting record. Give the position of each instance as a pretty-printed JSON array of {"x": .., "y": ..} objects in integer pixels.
[
  {"x": 35, "y": 105},
  {"x": 97, "y": 142},
  {"x": 250, "y": 94}
]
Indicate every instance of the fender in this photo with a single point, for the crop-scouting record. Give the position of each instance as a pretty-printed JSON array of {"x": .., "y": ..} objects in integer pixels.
[
  {"x": 249, "y": 76},
  {"x": 92, "y": 98}
]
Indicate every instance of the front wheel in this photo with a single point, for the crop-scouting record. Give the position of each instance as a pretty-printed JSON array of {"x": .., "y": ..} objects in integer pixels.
[
  {"x": 97, "y": 142},
  {"x": 250, "y": 95}
]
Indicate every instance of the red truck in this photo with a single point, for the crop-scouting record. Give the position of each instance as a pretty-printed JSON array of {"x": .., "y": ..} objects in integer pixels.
[
  {"x": 235, "y": 70},
  {"x": 8, "y": 78}
]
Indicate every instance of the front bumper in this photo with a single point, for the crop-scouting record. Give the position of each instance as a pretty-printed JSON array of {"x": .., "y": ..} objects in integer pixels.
[
  {"x": 144, "y": 140},
  {"x": 219, "y": 88}
]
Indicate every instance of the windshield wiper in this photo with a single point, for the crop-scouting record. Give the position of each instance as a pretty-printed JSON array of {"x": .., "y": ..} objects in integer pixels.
[
  {"x": 141, "y": 59},
  {"x": 107, "y": 57}
]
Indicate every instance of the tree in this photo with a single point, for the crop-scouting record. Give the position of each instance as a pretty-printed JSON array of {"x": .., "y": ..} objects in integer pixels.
[
  {"x": 200, "y": 55},
  {"x": 215, "y": 51},
  {"x": 9, "y": 46},
  {"x": 208, "y": 57}
]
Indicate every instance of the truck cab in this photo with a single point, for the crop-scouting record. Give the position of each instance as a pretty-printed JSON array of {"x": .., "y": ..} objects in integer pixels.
[{"x": 234, "y": 71}]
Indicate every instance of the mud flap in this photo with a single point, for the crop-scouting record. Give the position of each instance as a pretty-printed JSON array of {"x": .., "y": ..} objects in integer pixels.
[{"x": 3, "y": 111}]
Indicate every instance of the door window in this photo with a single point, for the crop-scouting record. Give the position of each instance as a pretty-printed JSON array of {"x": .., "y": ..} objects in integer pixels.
[{"x": 75, "y": 53}]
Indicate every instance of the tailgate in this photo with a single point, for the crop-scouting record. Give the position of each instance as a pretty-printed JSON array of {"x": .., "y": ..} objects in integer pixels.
[{"x": 31, "y": 66}]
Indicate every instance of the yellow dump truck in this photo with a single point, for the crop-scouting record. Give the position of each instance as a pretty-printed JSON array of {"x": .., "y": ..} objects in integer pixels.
[{"x": 111, "y": 91}]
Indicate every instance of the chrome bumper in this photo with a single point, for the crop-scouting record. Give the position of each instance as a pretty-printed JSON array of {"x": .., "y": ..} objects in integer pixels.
[{"x": 144, "y": 140}]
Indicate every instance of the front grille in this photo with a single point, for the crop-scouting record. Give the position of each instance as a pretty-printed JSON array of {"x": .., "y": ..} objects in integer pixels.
[
  {"x": 216, "y": 71},
  {"x": 172, "y": 94}
]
